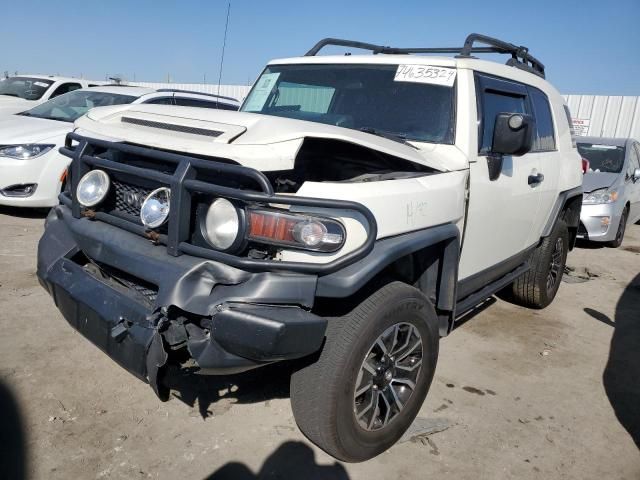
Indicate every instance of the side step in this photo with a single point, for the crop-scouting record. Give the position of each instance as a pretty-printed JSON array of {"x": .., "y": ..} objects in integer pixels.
[{"x": 468, "y": 303}]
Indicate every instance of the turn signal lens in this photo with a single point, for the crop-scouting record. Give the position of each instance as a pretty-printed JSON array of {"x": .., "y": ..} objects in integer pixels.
[{"x": 294, "y": 230}]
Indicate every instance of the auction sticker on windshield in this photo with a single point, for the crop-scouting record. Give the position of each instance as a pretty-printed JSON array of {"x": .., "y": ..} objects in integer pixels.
[
  {"x": 261, "y": 92},
  {"x": 426, "y": 74}
]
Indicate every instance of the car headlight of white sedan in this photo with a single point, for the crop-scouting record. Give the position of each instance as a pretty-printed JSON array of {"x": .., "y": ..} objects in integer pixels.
[
  {"x": 24, "y": 152},
  {"x": 599, "y": 197}
]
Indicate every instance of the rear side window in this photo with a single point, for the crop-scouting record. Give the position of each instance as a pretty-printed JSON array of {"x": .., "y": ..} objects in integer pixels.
[
  {"x": 544, "y": 140},
  {"x": 194, "y": 102},
  {"x": 493, "y": 103}
]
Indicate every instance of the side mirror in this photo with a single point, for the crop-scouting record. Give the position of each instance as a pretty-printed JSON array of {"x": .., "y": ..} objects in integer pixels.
[
  {"x": 512, "y": 134},
  {"x": 636, "y": 174}
]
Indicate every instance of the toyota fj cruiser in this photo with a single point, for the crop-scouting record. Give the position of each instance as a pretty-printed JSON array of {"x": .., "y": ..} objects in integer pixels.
[{"x": 351, "y": 211}]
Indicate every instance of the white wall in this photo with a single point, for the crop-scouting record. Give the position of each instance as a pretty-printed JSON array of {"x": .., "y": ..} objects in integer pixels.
[{"x": 606, "y": 116}]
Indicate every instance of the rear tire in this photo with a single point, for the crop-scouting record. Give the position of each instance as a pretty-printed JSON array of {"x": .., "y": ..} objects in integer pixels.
[
  {"x": 622, "y": 227},
  {"x": 538, "y": 287},
  {"x": 359, "y": 397}
]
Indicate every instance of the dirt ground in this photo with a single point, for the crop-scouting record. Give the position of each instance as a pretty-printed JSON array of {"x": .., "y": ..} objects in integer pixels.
[{"x": 551, "y": 394}]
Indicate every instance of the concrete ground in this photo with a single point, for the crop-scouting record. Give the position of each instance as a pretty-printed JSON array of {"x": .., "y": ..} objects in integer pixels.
[{"x": 528, "y": 394}]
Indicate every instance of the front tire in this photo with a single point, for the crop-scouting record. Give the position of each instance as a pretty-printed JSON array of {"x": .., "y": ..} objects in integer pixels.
[
  {"x": 622, "y": 227},
  {"x": 372, "y": 375},
  {"x": 538, "y": 287}
]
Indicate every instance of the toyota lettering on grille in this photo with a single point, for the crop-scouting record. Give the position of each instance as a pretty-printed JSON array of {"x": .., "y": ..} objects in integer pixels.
[{"x": 133, "y": 199}]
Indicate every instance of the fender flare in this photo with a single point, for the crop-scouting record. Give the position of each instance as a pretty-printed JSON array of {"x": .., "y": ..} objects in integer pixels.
[
  {"x": 349, "y": 280},
  {"x": 558, "y": 207}
]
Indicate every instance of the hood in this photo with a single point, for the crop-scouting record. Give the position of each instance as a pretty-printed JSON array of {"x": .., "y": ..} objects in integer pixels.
[
  {"x": 16, "y": 129},
  {"x": 258, "y": 141},
  {"x": 595, "y": 180}
]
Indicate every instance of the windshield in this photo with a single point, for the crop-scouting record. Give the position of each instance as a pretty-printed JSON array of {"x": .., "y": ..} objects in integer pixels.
[
  {"x": 368, "y": 98},
  {"x": 24, "y": 87},
  {"x": 71, "y": 106},
  {"x": 602, "y": 158}
]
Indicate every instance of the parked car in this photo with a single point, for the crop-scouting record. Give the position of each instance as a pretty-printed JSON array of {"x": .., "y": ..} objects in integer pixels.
[
  {"x": 23, "y": 92},
  {"x": 611, "y": 188},
  {"x": 33, "y": 170},
  {"x": 351, "y": 211}
]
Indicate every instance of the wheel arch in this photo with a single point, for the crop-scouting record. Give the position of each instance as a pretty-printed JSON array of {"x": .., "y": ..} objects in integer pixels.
[
  {"x": 567, "y": 207},
  {"x": 426, "y": 259}
]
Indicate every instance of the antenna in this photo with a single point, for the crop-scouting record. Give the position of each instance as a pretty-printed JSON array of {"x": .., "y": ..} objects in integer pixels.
[{"x": 224, "y": 44}]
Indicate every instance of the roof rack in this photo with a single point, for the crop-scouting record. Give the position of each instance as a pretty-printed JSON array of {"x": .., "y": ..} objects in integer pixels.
[
  {"x": 520, "y": 57},
  {"x": 176, "y": 90}
]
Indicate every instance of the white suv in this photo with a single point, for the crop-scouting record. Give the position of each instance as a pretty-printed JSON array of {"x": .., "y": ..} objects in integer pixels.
[
  {"x": 353, "y": 210},
  {"x": 33, "y": 171}
]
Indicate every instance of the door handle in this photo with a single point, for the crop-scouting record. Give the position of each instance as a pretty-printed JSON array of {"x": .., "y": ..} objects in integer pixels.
[{"x": 536, "y": 179}]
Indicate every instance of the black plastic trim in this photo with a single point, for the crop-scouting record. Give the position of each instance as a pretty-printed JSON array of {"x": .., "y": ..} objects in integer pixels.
[
  {"x": 349, "y": 280},
  {"x": 561, "y": 201},
  {"x": 475, "y": 282}
]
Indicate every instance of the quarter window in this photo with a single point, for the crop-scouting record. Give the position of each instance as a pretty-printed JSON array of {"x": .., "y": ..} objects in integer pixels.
[
  {"x": 493, "y": 103},
  {"x": 544, "y": 139}
]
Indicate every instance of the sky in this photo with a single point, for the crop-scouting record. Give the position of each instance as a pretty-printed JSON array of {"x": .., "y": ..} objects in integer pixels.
[{"x": 588, "y": 46}]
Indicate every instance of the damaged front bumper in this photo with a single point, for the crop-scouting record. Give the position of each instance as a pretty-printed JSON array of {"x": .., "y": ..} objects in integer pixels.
[{"x": 145, "y": 308}]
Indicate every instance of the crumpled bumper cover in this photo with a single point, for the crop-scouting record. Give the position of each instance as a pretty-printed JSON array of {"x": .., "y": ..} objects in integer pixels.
[{"x": 245, "y": 319}]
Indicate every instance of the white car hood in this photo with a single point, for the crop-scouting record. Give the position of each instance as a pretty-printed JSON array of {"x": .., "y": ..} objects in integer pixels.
[
  {"x": 19, "y": 129},
  {"x": 258, "y": 141},
  {"x": 10, "y": 105}
]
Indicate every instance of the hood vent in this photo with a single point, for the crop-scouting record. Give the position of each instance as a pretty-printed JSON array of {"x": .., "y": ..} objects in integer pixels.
[{"x": 173, "y": 127}]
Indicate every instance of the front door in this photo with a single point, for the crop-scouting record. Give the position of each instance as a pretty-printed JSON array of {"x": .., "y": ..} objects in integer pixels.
[{"x": 501, "y": 212}]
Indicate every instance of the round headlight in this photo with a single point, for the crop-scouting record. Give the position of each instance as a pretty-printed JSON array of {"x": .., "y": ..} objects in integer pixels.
[
  {"x": 155, "y": 208},
  {"x": 221, "y": 224},
  {"x": 92, "y": 188}
]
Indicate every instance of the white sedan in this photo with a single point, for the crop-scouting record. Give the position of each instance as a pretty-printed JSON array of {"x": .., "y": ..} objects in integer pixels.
[
  {"x": 32, "y": 171},
  {"x": 22, "y": 92}
]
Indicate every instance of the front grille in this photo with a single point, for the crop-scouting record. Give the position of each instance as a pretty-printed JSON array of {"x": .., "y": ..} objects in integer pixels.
[
  {"x": 147, "y": 292},
  {"x": 142, "y": 290},
  {"x": 129, "y": 198}
]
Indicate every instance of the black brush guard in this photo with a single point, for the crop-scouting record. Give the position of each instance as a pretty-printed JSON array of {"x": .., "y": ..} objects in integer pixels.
[{"x": 183, "y": 184}]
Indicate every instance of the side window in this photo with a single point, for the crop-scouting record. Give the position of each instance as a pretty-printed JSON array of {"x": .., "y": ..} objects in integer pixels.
[
  {"x": 65, "y": 88},
  {"x": 195, "y": 102},
  {"x": 303, "y": 98},
  {"x": 493, "y": 103},
  {"x": 160, "y": 101},
  {"x": 227, "y": 106},
  {"x": 544, "y": 140}
]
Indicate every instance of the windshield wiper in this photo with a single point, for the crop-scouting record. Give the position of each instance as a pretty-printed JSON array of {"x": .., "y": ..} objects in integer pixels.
[
  {"x": 388, "y": 135},
  {"x": 11, "y": 94}
]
